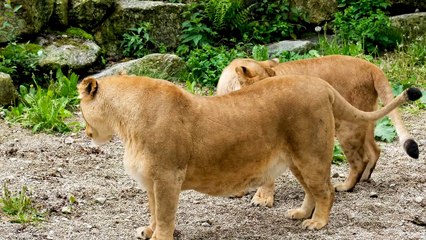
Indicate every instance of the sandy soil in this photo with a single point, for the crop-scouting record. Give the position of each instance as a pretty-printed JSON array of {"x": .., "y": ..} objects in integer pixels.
[{"x": 111, "y": 206}]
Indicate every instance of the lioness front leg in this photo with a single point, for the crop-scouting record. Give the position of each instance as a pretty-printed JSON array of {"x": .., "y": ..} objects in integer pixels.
[
  {"x": 264, "y": 195},
  {"x": 147, "y": 231}
]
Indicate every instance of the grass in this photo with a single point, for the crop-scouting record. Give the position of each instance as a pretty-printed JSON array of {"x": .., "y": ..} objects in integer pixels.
[{"x": 18, "y": 207}]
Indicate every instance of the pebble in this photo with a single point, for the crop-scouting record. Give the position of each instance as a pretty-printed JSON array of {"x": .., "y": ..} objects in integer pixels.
[
  {"x": 206, "y": 224},
  {"x": 418, "y": 199},
  {"x": 100, "y": 200},
  {"x": 335, "y": 175},
  {"x": 392, "y": 185},
  {"x": 69, "y": 140},
  {"x": 66, "y": 210},
  {"x": 373, "y": 195}
]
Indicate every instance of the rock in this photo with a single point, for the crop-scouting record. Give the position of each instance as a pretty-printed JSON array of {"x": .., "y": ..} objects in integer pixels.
[
  {"x": 66, "y": 210},
  {"x": 69, "y": 140},
  {"x": 206, "y": 223},
  {"x": 316, "y": 11},
  {"x": 418, "y": 199},
  {"x": 29, "y": 19},
  {"x": 413, "y": 24},
  {"x": 335, "y": 175},
  {"x": 89, "y": 14},
  {"x": 60, "y": 14},
  {"x": 164, "y": 66},
  {"x": 73, "y": 53},
  {"x": 100, "y": 200},
  {"x": 8, "y": 92},
  {"x": 290, "y": 46},
  {"x": 165, "y": 18},
  {"x": 374, "y": 194}
]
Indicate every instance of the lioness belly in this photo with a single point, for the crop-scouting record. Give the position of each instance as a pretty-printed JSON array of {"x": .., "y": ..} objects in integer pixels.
[{"x": 232, "y": 181}]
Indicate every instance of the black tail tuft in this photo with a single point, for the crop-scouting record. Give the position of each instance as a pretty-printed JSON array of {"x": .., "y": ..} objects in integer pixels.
[
  {"x": 414, "y": 94},
  {"x": 411, "y": 148}
]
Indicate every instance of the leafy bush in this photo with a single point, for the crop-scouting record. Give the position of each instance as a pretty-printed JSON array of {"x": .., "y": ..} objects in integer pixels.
[
  {"x": 365, "y": 21},
  {"x": 338, "y": 155},
  {"x": 384, "y": 130},
  {"x": 138, "y": 41},
  {"x": 7, "y": 29},
  {"x": 206, "y": 64},
  {"x": 20, "y": 60},
  {"x": 46, "y": 109},
  {"x": 260, "y": 53}
]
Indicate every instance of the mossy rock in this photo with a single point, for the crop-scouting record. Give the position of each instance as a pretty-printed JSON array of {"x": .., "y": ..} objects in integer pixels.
[
  {"x": 165, "y": 19},
  {"x": 78, "y": 33},
  {"x": 412, "y": 25},
  {"x": 88, "y": 14},
  {"x": 8, "y": 92}
]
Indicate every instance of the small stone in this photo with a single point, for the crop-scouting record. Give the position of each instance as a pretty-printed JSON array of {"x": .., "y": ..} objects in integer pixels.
[
  {"x": 66, "y": 210},
  {"x": 374, "y": 195},
  {"x": 206, "y": 224},
  {"x": 418, "y": 199},
  {"x": 335, "y": 175},
  {"x": 100, "y": 200},
  {"x": 392, "y": 185},
  {"x": 69, "y": 140}
]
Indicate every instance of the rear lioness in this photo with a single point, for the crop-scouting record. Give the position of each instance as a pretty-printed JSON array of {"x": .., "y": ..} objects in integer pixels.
[
  {"x": 176, "y": 141},
  {"x": 358, "y": 81}
]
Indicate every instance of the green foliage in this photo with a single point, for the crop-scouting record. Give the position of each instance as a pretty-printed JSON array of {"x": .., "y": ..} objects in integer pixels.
[
  {"x": 206, "y": 64},
  {"x": 338, "y": 155},
  {"x": 274, "y": 21},
  {"x": 20, "y": 60},
  {"x": 228, "y": 14},
  {"x": 365, "y": 21},
  {"x": 341, "y": 47},
  {"x": 7, "y": 29},
  {"x": 78, "y": 33},
  {"x": 19, "y": 206},
  {"x": 287, "y": 56},
  {"x": 46, "y": 109},
  {"x": 384, "y": 130},
  {"x": 138, "y": 41},
  {"x": 260, "y": 53}
]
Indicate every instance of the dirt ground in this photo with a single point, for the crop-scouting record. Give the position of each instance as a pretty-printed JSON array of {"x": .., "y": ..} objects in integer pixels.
[{"x": 109, "y": 204}]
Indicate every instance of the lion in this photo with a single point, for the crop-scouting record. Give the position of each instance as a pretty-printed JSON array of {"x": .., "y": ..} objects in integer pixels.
[
  {"x": 358, "y": 81},
  {"x": 176, "y": 141}
]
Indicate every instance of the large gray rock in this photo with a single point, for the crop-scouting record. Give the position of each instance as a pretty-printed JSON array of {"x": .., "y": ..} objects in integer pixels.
[
  {"x": 88, "y": 14},
  {"x": 8, "y": 92},
  {"x": 316, "y": 11},
  {"x": 163, "y": 66},
  {"x": 30, "y": 19},
  {"x": 72, "y": 53},
  {"x": 165, "y": 19},
  {"x": 413, "y": 24},
  {"x": 299, "y": 46}
]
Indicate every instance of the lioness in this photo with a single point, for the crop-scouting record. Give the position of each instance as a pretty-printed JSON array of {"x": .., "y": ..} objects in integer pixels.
[
  {"x": 358, "y": 81},
  {"x": 221, "y": 145}
]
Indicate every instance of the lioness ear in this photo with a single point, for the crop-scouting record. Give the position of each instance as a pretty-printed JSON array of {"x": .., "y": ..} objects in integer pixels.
[
  {"x": 242, "y": 71},
  {"x": 277, "y": 60},
  {"x": 88, "y": 87},
  {"x": 270, "y": 72}
]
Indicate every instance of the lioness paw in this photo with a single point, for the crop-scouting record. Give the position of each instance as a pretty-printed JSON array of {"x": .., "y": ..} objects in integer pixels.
[
  {"x": 263, "y": 201},
  {"x": 312, "y": 224},
  {"x": 144, "y": 233},
  {"x": 297, "y": 213}
]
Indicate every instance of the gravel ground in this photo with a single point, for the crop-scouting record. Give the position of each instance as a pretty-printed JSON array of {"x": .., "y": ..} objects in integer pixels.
[{"x": 109, "y": 204}]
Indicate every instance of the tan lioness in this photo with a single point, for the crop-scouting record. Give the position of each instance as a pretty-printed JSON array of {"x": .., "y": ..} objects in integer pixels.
[
  {"x": 221, "y": 145},
  {"x": 358, "y": 81}
]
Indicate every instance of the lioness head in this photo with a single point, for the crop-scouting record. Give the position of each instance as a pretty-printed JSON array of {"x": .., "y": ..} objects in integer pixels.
[
  {"x": 97, "y": 124},
  {"x": 253, "y": 71}
]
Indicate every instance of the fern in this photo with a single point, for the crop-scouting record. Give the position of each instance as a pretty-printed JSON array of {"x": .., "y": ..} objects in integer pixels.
[{"x": 224, "y": 13}]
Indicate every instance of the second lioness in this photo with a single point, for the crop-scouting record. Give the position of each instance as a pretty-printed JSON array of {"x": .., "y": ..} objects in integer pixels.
[{"x": 358, "y": 81}]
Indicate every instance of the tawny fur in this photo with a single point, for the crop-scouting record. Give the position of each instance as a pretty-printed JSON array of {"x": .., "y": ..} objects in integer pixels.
[
  {"x": 221, "y": 145},
  {"x": 358, "y": 81}
]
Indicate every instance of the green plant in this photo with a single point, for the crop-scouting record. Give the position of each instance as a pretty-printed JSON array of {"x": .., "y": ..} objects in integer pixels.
[
  {"x": 274, "y": 21},
  {"x": 365, "y": 21},
  {"x": 338, "y": 155},
  {"x": 228, "y": 14},
  {"x": 207, "y": 63},
  {"x": 260, "y": 53},
  {"x": 292, "y": 56},
  {"x": 384, "y": 130},
  {"x": 7, "y": 29},
  {"x": 19, "y": 207},
  {"x": 194, "y": 34},
  {"x": 138, "y": 41},
  {"x": 46, "y": 109}
]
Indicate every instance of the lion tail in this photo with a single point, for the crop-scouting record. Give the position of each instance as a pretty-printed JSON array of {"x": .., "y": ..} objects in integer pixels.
[
  {"x": 344, "y": 110},
  {"x": 384, "y": 90}
]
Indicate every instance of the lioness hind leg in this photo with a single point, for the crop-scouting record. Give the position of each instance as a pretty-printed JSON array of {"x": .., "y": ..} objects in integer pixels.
[
  {"x": 318, "y": 190},
  {"x": 308, "y": 204},
  {"x": 372, "y": 152},
  {"x": 264, "y": 195},
  {"x": 352, "y": 138}
]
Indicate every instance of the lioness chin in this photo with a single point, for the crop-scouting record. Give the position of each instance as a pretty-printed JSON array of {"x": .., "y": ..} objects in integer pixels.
[
  {"x": 358, "y": 81},
  {"x": 176, "y": 141}
]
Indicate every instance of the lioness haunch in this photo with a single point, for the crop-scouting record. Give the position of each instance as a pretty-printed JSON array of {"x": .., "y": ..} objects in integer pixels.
[{"x": 221, "y": 145}]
